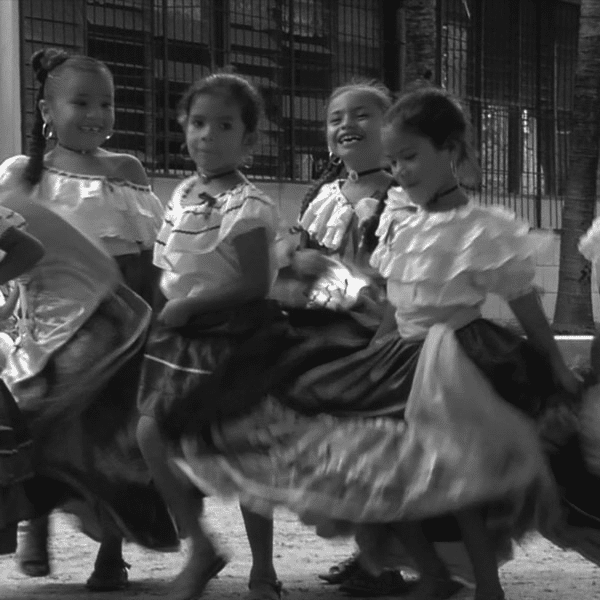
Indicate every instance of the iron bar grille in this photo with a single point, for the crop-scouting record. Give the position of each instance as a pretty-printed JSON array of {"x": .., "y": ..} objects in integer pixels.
[
  {"x": 295, "y": 51},
  {"x": 513, "y": 64}
]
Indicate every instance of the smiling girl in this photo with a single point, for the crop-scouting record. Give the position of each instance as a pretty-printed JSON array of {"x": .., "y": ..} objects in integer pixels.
[
  {"x": 103, "y": 194},
  {"x": 216, "y": 253}
]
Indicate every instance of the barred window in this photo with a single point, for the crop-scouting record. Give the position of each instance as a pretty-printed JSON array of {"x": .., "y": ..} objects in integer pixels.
[
  {"x": 513, "y": 63},
  {"x": 295, "y": 51}
]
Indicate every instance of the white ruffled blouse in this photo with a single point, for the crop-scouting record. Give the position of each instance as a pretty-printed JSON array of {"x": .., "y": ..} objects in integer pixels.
[
  {"x": 194, "y": 246},
  {"x": 333, "y": 221},
  {"x": 442, "y": 265},
  {"x": 122, "y": 216},
  {"x": 398, "y": 208},
  {"x": 589, "y": 244}
]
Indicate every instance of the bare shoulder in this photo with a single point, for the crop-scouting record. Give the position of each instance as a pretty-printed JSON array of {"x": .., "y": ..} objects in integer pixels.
[{"x": 127, "y": 167}]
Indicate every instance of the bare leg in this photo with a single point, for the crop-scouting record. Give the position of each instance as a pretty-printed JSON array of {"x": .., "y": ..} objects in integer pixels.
[
  {"x": 259, "y": 531},
  {"x": 482, "y": 555},
  {"x": 32, "y": 554},
  {"x": 435, "y": 582},
  {"x": 186, "y": 504}
]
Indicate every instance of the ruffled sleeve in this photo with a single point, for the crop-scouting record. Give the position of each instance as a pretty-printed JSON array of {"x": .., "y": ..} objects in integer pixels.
[
  {"x": 11, "y": 180},
  {"x": 327, "y": 217},
  {"x": 194, "y": 227},
  {"x": 494, "y": 249},
  {"x": 589, "y": 244},
  {"x": 398, "y": 208},
  {"x": 105, "y": 209},
  {"x": 11, "y": 173}
]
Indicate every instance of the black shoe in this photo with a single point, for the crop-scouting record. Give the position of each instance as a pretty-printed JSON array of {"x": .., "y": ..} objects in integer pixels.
[
  {"x": 364, "y": 585},
  {"x": 109, "y": 577},
  {"x": 342, "y": 571}
]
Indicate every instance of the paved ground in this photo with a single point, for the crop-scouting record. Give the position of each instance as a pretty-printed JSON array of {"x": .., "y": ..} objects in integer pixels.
[{"x": 539, "y": 571}]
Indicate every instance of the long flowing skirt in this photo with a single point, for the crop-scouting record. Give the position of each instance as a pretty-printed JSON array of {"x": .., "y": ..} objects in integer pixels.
[
  {"x": 82, "y": 414},
  {"x": 15, "y": 468},
  {"x": 213, "y": 369},
  {"x": 408, "y": 435}
]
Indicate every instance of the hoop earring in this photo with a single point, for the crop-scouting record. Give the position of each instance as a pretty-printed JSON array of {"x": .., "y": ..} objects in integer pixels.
[
  {"x": 109, "y": 135},
  {"x": 47, "y": 131},
  {"x": 334, "y": 159}
]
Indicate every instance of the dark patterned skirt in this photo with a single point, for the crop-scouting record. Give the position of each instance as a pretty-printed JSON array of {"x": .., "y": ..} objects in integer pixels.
[
  {"x": 337, "y": 445},
  {"x": 82, "y": 414},
  {"x": 217, "y": 367},
  {"x": 15, "y": 468},
  {"x": 376, "y": 378}
]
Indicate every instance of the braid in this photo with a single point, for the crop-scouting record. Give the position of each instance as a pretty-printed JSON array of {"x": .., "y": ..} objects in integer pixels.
[
  {"x": 42, "y": 62},
  {"x": 369, "y": 227},
  {"x": 332, "y": 171}
]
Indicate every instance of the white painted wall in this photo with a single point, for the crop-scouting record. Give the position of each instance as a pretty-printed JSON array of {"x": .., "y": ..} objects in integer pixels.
[{"x": 10, "y": 84}]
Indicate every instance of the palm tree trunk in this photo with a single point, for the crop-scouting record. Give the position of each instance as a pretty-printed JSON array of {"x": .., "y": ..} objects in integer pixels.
[{"x": 573, "y": 311}]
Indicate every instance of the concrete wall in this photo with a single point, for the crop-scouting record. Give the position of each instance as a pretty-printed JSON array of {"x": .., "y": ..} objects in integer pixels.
[{"x": 289, "y": 196}]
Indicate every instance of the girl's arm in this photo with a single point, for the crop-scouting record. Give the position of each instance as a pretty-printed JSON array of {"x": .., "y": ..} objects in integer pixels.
[
  {"x": 22, "y": 252},
  {"x": 531, "y": 316},
  {"x": 252, "y": 249}
]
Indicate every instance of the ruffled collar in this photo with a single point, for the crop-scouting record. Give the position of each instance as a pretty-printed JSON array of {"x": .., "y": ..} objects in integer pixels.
[
  {"x": 103, "y": 178},
  {"x": 330, "y": 214},
  {"x": 437, "y": 245}
]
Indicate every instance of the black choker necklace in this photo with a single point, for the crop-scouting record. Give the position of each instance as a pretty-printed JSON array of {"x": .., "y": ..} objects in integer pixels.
[
  {"x": 76, "y": 150},
  {"x": 356, "y": 175},
  {"x": 204, "y": 178},
  {"x": 439, "y": 195}
]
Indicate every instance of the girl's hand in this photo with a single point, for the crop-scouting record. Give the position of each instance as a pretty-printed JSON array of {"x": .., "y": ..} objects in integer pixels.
[
  {"x": 174, "y": 314},
  {"x": 565, "y": 376}
]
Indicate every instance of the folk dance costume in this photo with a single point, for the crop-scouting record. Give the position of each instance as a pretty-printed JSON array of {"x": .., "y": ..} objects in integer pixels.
[
  {"x": 182, "y": 386},
  {"x": 122, "y": 216},
  {"x": 15, "y": 446},
  {"x": 414, "y": 442},
  {"x": 74, "y": 370}
]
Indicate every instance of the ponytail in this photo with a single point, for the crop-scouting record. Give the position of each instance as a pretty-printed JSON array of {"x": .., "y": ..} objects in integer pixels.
[
  {"x": 42, "y": 62},
  {"x": 369, "y": 238},
  {"x": 332, "y": 171}
]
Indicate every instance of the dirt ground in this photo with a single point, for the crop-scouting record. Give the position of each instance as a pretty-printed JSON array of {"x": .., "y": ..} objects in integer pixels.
[{"x": 539, "y": 570}]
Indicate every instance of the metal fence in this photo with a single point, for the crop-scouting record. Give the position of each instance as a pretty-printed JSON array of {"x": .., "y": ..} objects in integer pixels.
[
  {"x": 295, "y": 51},
  {"x": 513, "y": 62}
]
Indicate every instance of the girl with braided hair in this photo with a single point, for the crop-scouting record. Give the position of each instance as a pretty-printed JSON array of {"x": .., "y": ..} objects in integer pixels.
[{"x": 106, "y": 197}]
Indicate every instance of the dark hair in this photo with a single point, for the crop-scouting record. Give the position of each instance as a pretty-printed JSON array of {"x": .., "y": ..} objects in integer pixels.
[
  {"x": 239, "y": 89},
  {"x": 434, "y": 113},
  {"x": 381, "y": 94},
  {"x": 44, "y": 62},
  {"x": 335, "y": 167}
]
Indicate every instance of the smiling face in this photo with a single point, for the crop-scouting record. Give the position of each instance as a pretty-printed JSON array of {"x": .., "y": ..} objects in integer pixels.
[
  {"x": 80, "y": 107},
  {"x": 216, "y": 136},
  {"x": 354, "y": 120},
  {"x": 417, "y": 165}
]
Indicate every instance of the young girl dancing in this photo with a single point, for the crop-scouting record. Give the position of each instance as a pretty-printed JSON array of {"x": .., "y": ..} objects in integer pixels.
[
  {"x": 338, "y": 219},
  {"x": 20, "y": 253},
  {"x": 103, "y": 194},
  {"x": 446, "y": 257},
  {"x": 216, "y": 252}
]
